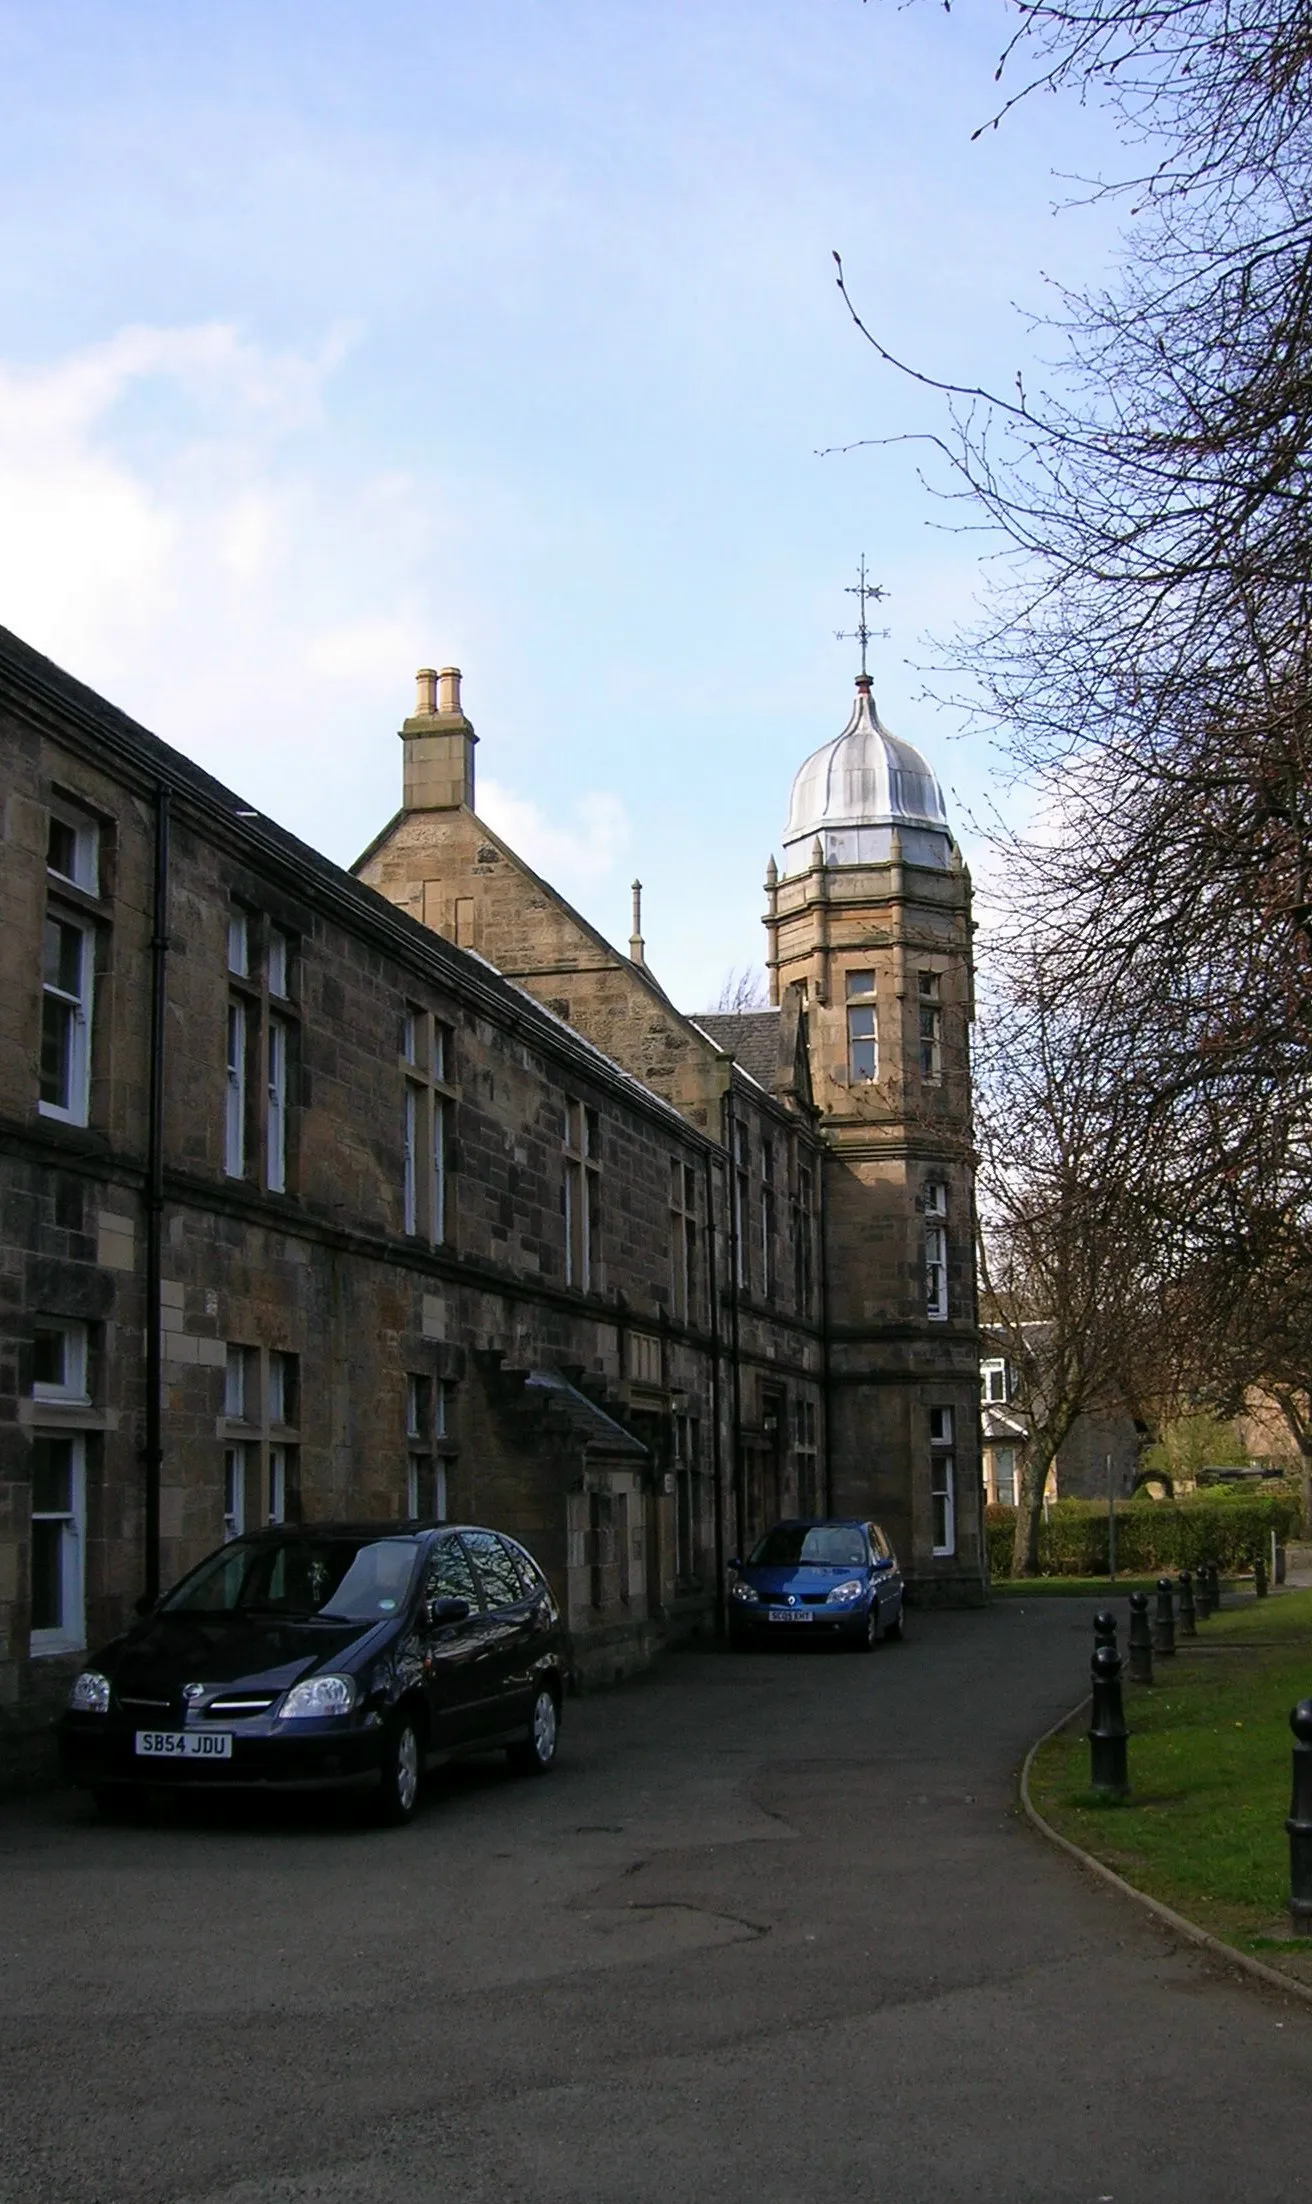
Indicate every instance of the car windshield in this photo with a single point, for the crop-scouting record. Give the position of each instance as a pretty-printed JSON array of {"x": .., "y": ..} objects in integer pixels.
[
  {"x": 331, "y": 1579},
  {"x": 822, "y": 1545}
]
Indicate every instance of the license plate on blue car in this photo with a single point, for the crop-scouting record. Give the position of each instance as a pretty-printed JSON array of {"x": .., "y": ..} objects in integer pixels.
[{"x": 790, "y": 1614}]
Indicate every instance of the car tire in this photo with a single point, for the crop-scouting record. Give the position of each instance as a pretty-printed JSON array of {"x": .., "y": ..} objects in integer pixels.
[
  {"x": 399, "y": 1772},
  {"x": 534, "y": 1754},
  {"x": 870, "y": 1631},
  {"x": 897, "y": 1630}
]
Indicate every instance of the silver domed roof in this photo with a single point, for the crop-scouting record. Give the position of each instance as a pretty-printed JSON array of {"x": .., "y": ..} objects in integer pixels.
[{"x": 854, "y": 791}]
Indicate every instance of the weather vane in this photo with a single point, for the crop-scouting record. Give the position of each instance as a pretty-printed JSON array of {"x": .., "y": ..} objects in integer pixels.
[{"x": 866, "y": 593}]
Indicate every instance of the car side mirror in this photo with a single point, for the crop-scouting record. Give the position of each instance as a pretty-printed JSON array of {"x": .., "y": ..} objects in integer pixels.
[{"x": 448, "y": 1608}]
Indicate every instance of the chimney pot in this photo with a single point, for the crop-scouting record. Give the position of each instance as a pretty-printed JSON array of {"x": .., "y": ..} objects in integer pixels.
[
  {"x": 448, "y": 689},
  {"x": 425, "y": 691}
]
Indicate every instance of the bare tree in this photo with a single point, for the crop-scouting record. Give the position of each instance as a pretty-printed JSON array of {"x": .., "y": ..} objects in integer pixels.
[
  {"x": 1074, "y": 1254},
  {"x": 1145, "y": 656},
  {"x": 742, "y": 990}
]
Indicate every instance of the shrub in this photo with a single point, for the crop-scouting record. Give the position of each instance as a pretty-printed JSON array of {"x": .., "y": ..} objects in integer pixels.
[{"x": 1223, "y": 1525}]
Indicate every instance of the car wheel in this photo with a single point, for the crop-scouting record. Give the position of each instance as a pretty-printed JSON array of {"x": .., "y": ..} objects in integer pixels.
[
  {"x": 535, "y": 1753},
  {"x": 870, "y": 1632},
  {"x": 896, "y": 1630},
  {"x": 398, "y": 1775}
]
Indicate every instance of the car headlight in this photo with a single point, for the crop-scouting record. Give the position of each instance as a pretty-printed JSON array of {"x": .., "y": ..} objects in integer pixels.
[
  {"x": 745, "y": 1592},
  {"x": 318, "y": 1695},
  {"x": 851, "y": 1590},
  {"x": 90, "y": 1694}
]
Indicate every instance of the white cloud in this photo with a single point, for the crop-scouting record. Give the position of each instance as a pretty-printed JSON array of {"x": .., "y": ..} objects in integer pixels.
[
  {"x": 571, "y": 856},
  {"x": 177, "y": 528}
]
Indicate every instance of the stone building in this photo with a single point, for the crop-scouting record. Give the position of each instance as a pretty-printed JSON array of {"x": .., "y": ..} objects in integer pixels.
[
  {"x": 1080, "y": 1470},
  {"x": 404, "y": 1192},
  {"x": 850, "y": 1097}
]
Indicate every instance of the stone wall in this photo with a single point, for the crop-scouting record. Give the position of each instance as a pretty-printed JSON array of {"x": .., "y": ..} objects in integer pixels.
[{"x": 320, "y": 1268}]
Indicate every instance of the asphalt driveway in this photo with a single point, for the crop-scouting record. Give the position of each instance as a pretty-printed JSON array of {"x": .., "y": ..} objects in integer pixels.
[{"x": 772, "y": 1930}]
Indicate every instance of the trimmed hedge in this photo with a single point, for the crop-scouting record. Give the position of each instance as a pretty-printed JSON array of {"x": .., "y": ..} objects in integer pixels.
[{"x": 1151, "y": 1535}]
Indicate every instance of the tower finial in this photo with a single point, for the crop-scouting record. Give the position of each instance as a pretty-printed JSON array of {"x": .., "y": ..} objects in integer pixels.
[{"x": 866, "y": 593}]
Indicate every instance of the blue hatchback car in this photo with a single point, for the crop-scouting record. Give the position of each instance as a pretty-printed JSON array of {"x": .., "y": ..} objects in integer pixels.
[{"x": 830, "y": 1578}]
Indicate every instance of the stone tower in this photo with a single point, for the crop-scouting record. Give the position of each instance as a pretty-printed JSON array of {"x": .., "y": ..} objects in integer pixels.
[{"x": 870, "y": 915}]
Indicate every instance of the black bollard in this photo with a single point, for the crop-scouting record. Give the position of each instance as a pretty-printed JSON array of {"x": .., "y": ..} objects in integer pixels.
[
  {"x": 1107, "y": 1732},
  {"x": 1188, "y": 1621},
  {"x": 1214, "y": 1585},
  {"x": 1141, "y": 1640},
  {"x": 1164, "y": 1619},
  {"x": 1104, "y": 1628},
  {"x": 1299, "y": 1823},
  {"x": 1259, "y": 1576}
]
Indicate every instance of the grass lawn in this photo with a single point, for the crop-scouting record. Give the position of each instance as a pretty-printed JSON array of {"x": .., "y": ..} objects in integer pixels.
[{"x": 1204, "y": 1827}]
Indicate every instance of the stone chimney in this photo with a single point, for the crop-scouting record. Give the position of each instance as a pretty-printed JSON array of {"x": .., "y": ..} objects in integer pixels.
[
  {"x": 637, "y": 947},
  {"x": 438, "y": 772}
]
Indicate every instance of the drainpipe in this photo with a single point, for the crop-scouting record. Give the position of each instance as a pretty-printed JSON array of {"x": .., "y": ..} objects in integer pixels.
[
  {"x": 735, "y": 1265},
  {"x": 154, "y": 1450},
  {"x": 717, "y": 1450},
  {"x": 826, "y": 1363}
]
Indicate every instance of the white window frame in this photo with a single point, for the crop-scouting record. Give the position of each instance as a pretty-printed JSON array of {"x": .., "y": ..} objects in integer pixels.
[
  {"x": 236, "y": 1457},
  {"x": 410, "y": 1141},
  {"x": 77, "y": 1008},
  {"x": 239, "y": 945},
  {"x": 70, "y": 1635},
  {"x": 439, "y": 1105},
  {"x": 936, "y": 1250},
  {"x": 579, "y": 1194},
  {"x": 72, "y": 1388},
  {"x": 277, "y": 964},
  {"x": 275, "y": 1130},
  {"x": 859, "y": 1000},
  {"x": 929, "y": 1007},
  {"x": 994, "y": 1368},
  {"x": 942, "y": 1480},
  {"x": 1008, "y": 1454},
  {"x": 417, "y": 1417},
  {"x": 276, "y": 1489},
  {"x": 282, "y": 1363},
  {"x": 741, "y": 1187},
  {"x": 238, "y": 1405},
  {"x": 234, "y": 1123},
  {"x": 86, "y": 849}
]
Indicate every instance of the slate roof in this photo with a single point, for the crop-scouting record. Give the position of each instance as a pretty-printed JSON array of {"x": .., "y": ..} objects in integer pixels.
[
  {"x": 588, "y": 1423},
  {"x": 750, "y": 1036},
  {"x": 50, "y": 697}
]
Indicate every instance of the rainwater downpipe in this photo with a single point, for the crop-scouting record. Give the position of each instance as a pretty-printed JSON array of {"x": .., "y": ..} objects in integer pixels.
[
  {"x": 717, "y": 1447},
  {"x": 735, "y": 1272},
  {"x": 826, "y": 1359},
  {"x": 153, "y": 1451}
]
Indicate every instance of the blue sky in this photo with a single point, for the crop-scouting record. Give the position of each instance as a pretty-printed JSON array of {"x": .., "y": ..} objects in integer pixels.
[{"x": 336, "y": 340}]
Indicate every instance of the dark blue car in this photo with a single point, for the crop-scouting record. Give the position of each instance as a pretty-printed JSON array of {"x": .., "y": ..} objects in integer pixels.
[{"x": 830, "y": 1578}]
